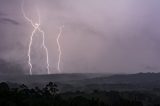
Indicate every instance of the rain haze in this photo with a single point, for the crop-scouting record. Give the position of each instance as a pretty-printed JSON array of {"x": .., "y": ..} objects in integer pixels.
[{"x": 99, "y": 36}]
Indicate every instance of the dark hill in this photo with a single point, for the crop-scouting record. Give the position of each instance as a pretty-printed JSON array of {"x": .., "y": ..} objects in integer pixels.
[{"x": 89, "y": 82}]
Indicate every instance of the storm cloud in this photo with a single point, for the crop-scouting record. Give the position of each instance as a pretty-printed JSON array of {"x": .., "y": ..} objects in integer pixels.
[
  {"x": 99, "y": 35},
  {"x": 7, "y": 20}
]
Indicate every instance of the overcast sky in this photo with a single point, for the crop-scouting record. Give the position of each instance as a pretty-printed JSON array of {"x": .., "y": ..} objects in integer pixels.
[{"x": 111, "y": 36}]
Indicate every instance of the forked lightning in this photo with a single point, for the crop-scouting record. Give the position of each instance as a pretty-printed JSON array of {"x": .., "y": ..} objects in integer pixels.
[{"x": 36, "y": 27}]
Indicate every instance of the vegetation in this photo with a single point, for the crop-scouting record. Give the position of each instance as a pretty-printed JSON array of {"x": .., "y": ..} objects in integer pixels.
[{"x": 50, "y": 96}]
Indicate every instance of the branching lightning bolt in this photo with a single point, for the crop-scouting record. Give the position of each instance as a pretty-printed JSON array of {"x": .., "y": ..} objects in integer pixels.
[
  {"x": 59, "y": 48},
  {"x": 36, "y": 27}
]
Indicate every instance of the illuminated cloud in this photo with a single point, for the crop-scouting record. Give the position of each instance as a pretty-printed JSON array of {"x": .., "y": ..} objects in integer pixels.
[{"x": 99, "y": 35}]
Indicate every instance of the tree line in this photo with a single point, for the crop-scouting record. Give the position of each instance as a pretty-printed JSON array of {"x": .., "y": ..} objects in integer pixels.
[{"x": 51, "y": 96}]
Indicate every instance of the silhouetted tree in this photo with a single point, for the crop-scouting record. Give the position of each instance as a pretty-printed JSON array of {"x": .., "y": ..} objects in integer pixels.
[
  {"x": 4, "y": 87},
  {"x": 49, "y": 96},
  {"x": 51, "y": 89}
]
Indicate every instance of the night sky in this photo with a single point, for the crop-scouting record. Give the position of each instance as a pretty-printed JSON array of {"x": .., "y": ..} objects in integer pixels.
[{"x": 112, "y": 36}]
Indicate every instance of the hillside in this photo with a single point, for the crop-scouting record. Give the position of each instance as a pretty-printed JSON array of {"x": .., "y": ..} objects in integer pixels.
[{"x": 68, "y": 82}]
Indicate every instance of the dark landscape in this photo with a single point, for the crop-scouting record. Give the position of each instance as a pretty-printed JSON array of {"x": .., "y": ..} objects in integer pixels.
[
  {"x": 142, "y": 89},
  {"x": 88, "y": 82}
]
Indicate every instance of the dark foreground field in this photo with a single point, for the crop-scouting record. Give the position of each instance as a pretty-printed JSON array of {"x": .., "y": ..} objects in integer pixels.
[{"x": 81, "y": 90}]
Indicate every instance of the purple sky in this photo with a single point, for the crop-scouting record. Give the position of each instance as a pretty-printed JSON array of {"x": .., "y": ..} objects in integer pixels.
[{"x": 110, "y": 36}]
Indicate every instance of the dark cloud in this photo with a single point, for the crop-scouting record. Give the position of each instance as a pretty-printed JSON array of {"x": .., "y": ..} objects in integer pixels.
[
  {"x": 9, "y": 68},
  {"x": 7, "y": 20},
  {"x": 99, "y": 35},
  {"x": 2, "y": 14},
  {"x": 151, "y": 68}
]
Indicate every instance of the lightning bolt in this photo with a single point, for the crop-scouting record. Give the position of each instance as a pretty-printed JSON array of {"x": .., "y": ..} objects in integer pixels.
[
  {"x": 59, "y": 48},
  {"x": 36, "y": 27}
]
